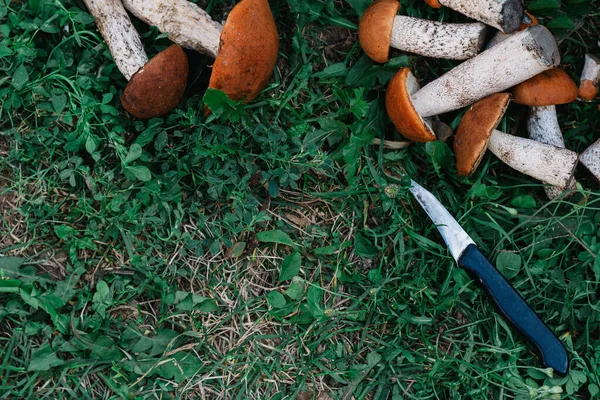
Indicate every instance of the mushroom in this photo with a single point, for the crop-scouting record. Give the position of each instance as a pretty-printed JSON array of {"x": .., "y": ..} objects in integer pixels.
[
  {"x": 518, "y": 58},
  {"x": 245, "y": 48},
  {"x": 528, "y": 20},
  {"x": 588, "y": 86},
  {"x": 156, "y": 86},
  {"x": 542, "y": 126},
  {"x": 542, "y": 93},
  {"x": 504, "y": 15},
  {"x": 380, "y": 28},
  {"x": 477, "y": 132},
  {"x": 590, "y": 158}
]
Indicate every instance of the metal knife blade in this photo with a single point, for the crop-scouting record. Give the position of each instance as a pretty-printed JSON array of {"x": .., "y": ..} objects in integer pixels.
[
  {"x": 454, "y": 235},
  {"x": 508, "y": 301}
]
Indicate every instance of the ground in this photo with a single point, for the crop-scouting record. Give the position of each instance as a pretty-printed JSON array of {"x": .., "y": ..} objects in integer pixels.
[{"x": 267, "y": 250}]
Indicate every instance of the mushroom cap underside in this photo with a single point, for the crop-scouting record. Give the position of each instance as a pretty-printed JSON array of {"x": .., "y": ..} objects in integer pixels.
[
  {"x": 548, "y": 88},
  {"x": 475, "y": 129},
  {"x": 375, "y": 29},
  {"x": 157, "y": 87},
  {"x": 248, "y": 51},
  {"x": 401, "y": 110}
]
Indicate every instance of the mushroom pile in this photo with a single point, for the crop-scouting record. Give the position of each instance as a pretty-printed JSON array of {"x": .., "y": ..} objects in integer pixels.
[
  {"x": 245, "y": 50},
  {"x": 519, "y": 63}
]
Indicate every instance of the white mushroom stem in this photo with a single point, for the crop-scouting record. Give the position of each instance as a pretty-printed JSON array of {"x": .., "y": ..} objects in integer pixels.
[
  {"x": 591, "y": 69},
  {"x": 504, "y": 15},
  {"x": 184, "y": 22},
  {"x": 437, "y": 39},
  {"x": 119, "y": 34},
  {"x": 518, "y": 58},
  {"x": 543, "y": 127},
  {"x": 547, "y": 163},
  {"x": 590, "y": 76},
  {"x": 590, "y": 158}
]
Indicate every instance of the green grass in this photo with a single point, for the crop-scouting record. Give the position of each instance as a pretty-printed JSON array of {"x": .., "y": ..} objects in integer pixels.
[{"x": 263, "y": 252}]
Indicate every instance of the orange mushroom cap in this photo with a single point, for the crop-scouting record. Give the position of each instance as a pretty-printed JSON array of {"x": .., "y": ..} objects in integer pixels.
[
  {"x": 247, "y": 51},
  {"x": 375, "y": 29},
  {"x": 401, "y": 110},
  {"x": 587, "y": 90},
  {"x": 157, "y": 87},
  {"x": 433, "y": 3},
  {"x": 549, "y": 88},
  {"x": 475, "y": 129}
]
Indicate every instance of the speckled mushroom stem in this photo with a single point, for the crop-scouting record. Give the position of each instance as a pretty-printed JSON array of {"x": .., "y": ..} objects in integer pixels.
[
  {"x": 184, "y": 22},
  {"x": 590, "y": 158},
  {"x": 590, "y": 76},
  {"x": 545, "y": 162},
  {"x": 518, "y": 58},
  {"x": 437, "y": 39},
  {"x": 543, "y": 127},
  {"x": 504, "y": 15},
  {"x": 119, "y": 34}
]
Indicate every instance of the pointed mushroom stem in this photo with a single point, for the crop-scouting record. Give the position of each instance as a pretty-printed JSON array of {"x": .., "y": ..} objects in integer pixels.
[
  {"x": 437, "y": 39},
  {"x": 504, "y": 15},
  {"x": 518, "y": 58},
  {"x": 184, "y": 22},
  {"x": 590, "y": 76},
  {"x": 119, "y": 34},
  {"x": 547, "y": 163},
  {"x": 590, "y": 158},
  {"x": 543, "y": 127}
]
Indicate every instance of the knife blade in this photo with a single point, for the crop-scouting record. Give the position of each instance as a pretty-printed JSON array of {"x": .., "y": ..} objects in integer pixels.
[{"x": 507, "y": 300}]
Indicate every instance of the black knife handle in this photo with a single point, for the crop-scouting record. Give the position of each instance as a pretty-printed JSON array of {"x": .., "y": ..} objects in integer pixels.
[{"x": 515, "y": 309}]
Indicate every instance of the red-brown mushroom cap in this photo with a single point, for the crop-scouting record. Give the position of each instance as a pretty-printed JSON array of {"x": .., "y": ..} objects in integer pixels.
[
  {"x": 549, "y": 88},
  {"x": 375, "y": 29},
  {"x": 475, "y": 129},
  {"x": 434, "y": 3},
  {"x": 247, "y": 51},
  {"x": 401, "y": 110},
  {"x": 157, "y": 87},
  {"x": 587, "y": 90}
]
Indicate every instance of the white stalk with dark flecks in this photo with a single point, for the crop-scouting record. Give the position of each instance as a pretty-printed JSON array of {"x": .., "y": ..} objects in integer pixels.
[
  {"x": 591, "y": 69},
  {"x": 504, "y": 15},
  {"x": 119, "y": 34},
  {"x": 437, "y": 39},
  {"x": 547, "y": 163},
  {"x": 518, "y": 58},
  {"x": 543, "y": 127},
  {"x": 590, "y": 158},
  {"x": 184, "y": 22}
]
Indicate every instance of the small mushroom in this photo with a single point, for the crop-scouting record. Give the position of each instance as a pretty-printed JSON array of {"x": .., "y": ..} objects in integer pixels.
[
  {"x": 156, "y": 86},
  {"x": 245, "y": 48},
  {"x": 590, "y": 76},
  {"x": 518, "y": 58},
  {"x": 380, "y": 28},
  {"x": 505, "y": 15},
  {"x": 528, "y": 20},
  {"x": 590, "y": 158},
  {"x": 542, "y": 126},
  {"x": 477, "y": 132}
]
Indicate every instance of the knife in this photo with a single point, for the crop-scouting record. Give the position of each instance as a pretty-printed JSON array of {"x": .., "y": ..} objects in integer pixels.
[{"x": 509, "y": 303}]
